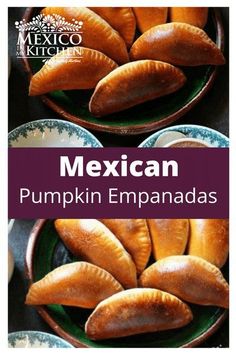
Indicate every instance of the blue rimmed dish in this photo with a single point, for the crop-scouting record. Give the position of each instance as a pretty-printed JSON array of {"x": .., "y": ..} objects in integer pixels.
[
  {"x": 51, "y": 133},
  {"x": 35, "y": 339},
  {"x": 210, "y": 136}
]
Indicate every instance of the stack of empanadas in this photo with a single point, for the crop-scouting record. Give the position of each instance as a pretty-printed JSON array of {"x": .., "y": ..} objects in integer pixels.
[
  {"x": 129, "y": 292},
  {"x": 108, "y": 41}
]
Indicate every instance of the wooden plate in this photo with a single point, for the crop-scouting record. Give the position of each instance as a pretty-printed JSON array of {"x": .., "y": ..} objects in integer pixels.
[
  {"x": 45, "y": 252},
  {"x": 156, "y": 114}
]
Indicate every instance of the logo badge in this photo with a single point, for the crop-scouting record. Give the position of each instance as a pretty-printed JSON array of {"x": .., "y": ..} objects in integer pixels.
[{"x": 46, "y": 35}]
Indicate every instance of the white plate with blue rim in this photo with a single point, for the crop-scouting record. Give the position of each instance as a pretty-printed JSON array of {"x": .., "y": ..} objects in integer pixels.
[
  {"x": 51, "y": 133},
  {"x": 35, "y": 339},
  {"x": 208, "y": 135}
]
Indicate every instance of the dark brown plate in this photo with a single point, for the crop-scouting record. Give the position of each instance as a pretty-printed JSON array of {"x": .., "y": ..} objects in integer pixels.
[
  {"x": 152, "y": 115},
  {"x": 45, "y": 252}
]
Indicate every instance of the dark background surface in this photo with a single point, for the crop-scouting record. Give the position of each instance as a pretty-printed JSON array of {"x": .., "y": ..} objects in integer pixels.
[{"x": 212, "y": 112}]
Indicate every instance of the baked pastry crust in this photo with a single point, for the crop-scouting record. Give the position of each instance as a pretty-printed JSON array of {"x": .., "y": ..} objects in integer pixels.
[
  {"x": 169, "y": 236},
  {"x": 134, "y": 83},
  {"x": 122, "y": 19},
  {"x": 137, "y": 311},
  {"x": 190, "y": 278},
  {"x": 64, "y": 72},
  {"x": 196, "y": 16},
  {"x": 95, "y": 243},
  {"x": 209, "y": 239},
  {"x": 134, "y": 236},
  {"x": 177, "y": 44},
  {"x": 148, "y": 17},
  {"x": 97, "y": 33},
  {"x": 76, "y": 284}
]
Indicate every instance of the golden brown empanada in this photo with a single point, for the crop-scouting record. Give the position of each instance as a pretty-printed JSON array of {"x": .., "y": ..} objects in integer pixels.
[
  {"x": 169, "y": 236},
  {"x": 67, "y": 71},
  {"x": 122, "y": 19},
  {"x": 137, "y": 311},
  {"x": 134, "y": 236},
  {"x": 209, "y": 239},
  {"x": 93, "y": 241},
  {"x": 190, "y": 278},
  {"x": 76, "y": 284},
  {"x": 148, "y": 17},
  {"x": 196, "y": 16},
  {"x": 177, "y": 44},
  {"x": 97, "y": 33},
  {"x": 134, "y": 83}
]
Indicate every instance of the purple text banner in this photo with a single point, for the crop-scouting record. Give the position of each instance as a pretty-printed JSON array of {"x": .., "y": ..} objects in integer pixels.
[{"x": 118, "y": 183}]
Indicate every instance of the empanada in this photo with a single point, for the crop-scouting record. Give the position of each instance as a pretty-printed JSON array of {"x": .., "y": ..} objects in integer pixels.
[
  {"x": 190, "y": 278},
  {"x": 137, "y": 311},
  {"x": 177, "y": 44},
  {"x": 209, "y": 239},
  {"x": 76, "y": 284},
  {"x": 93, "y": 241},
  {"x": 134, "y": 83},
  {"x": 96, "y": 33},
  {"x": 134, "y": 236},
  {"x": 148, "y": 17},
  {"x": 169, "y": 236},
  {"x": 67, "y": 71},
  {"x": 196, "y": 16},
  {"x": 122, "y": 19}
]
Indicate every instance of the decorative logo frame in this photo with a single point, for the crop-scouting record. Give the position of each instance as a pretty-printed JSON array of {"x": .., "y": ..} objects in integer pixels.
[{"x": 44, "y": 36}]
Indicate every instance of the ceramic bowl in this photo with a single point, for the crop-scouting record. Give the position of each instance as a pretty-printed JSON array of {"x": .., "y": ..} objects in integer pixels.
[
  {"x": 147, "y": 117},
  {"x": 51, "y": 133},
  {"x": 34, "y": 339},
  {"x": 45, "y": 253},
  {"x": 11, "y": 261},
  {"x": 210, "y": 136}
]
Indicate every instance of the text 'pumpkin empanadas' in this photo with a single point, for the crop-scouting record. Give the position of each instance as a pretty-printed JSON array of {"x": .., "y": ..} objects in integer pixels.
[
  {"x": 209, "y": 239},
  {"x": 196, "y": 16},
  {"x": 71, "y": 69},
  {"x": 148, "y": 17},
  {"x": 96, "y": 32},
  {"x": 137, "y": 311},
  {"x": 169, "y": 236},
  {"x": 76, "y": 284},
  {"x": 93, "y": 241},
  {"x": 134, "y": 236},
  {"x": 177, "y": 44},
  {"x": 122, "y": 19},
  {"x": 134, "y": 83},
  {"x": 190, "y": 278}
]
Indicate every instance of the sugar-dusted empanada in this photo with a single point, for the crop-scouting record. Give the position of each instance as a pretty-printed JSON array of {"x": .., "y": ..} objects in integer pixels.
[
  {"x": 96, "y": 33},
  {"x": 190, "y": 278},
  {"x": 134, "y": 83},
  {"x": 134, "y": 236},
  {"x": 122, "y": 19},
  {"x": 76, "y": 284},
  {"x": 93, "y": 241},
  {"x": 137, "y": 311},
  {"x": 209, "y": 239},
  {"x": 169, "y": 236},
  {"x": 196, "y": 16},
  {"x": 148, "y": 17},
  {"x": 177, "y": 44},
  {"x": 67, "y": 71}
]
